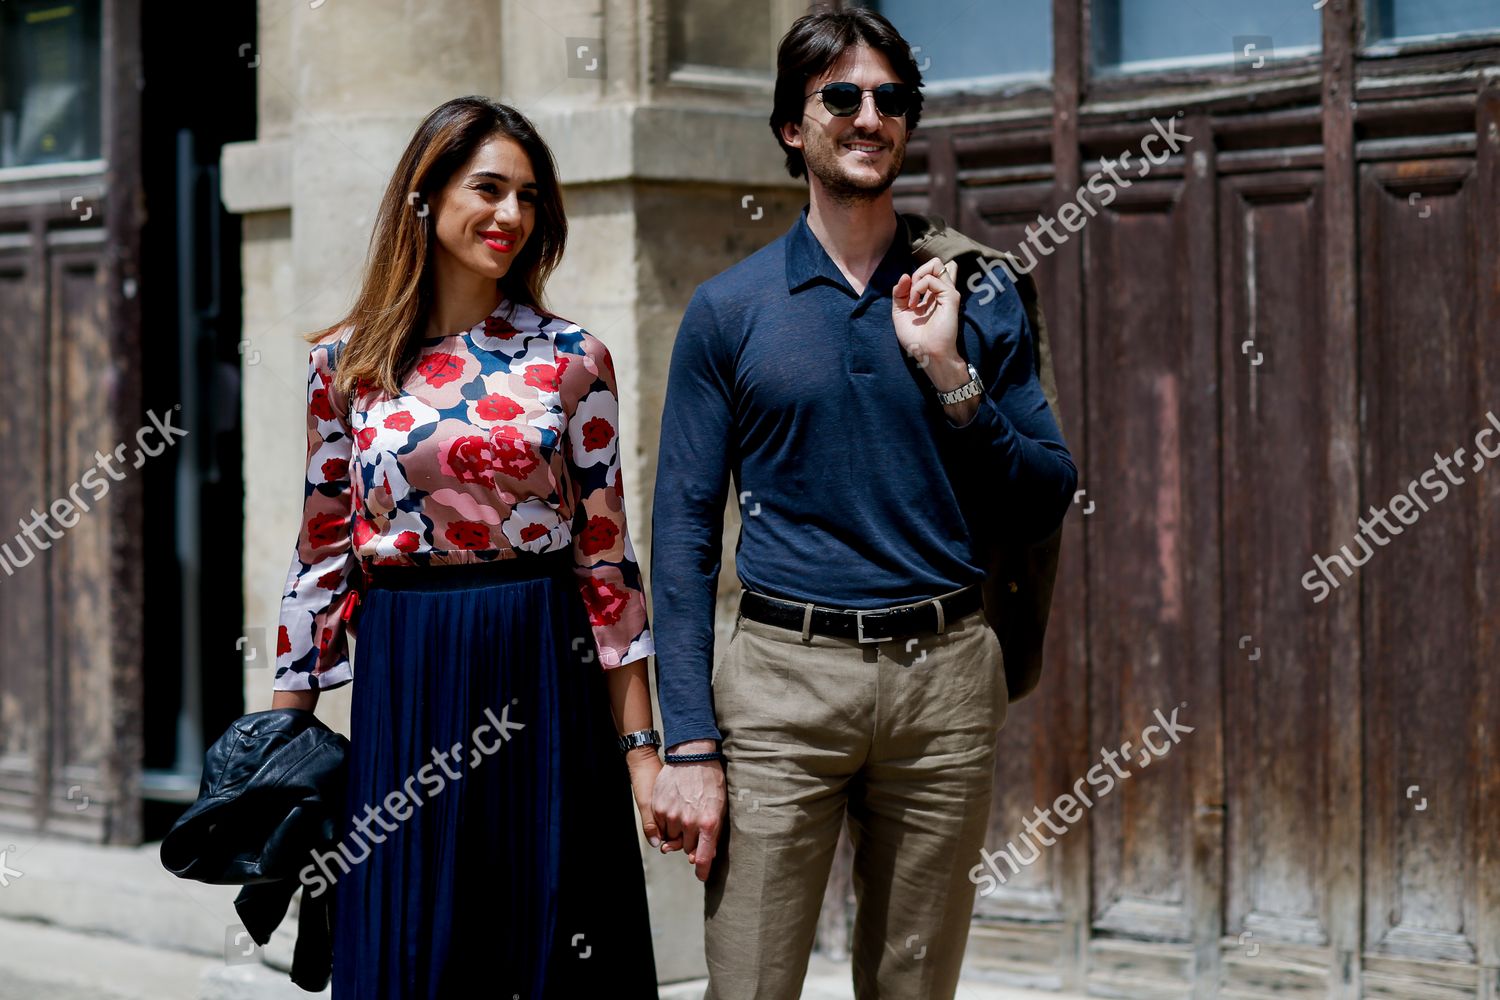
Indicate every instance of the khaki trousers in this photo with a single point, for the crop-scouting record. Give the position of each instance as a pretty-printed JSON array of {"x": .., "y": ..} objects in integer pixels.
[{"x": 899, "y": 739}]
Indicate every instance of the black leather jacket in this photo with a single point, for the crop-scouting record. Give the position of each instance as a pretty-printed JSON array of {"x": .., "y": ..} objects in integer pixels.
[{"x": 272, "y": 791}]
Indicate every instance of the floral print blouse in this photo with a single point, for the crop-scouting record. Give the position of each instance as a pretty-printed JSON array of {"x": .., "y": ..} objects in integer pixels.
[{"x": 504, "y": 440}]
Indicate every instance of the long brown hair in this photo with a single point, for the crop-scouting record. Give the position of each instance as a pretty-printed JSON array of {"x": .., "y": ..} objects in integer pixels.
[{"x": 395, "y": 295}]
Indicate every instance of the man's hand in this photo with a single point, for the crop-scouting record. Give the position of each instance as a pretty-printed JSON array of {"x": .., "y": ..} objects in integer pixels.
[
  {"x": 689, "y": 802},
  {"x": 924, "y": 311}
]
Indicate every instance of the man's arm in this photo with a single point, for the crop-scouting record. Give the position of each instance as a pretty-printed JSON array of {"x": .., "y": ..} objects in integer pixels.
[
  {"x": 1008, "y": 431},
  {"x": 1012, "y": 426},
  {"x": 687, "y": 523}
]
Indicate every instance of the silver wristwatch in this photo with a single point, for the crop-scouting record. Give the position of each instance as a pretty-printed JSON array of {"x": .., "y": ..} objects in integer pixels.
[
  {"x": 640, "y": 738},
  {"x": 973, "y": 387}
]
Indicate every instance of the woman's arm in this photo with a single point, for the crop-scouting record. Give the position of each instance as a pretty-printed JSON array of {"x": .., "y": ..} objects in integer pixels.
[
  {"x": 609, "y": 578},
  {"x": 318, "y": 598},
  {"x": 297, "y": 699},
  {"x": 630, "y": 702},
  {"x": 630, "y": 698}
]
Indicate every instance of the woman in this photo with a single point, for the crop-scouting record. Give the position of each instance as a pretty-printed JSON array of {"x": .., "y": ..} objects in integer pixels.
[{"x": 464, "y": 510}]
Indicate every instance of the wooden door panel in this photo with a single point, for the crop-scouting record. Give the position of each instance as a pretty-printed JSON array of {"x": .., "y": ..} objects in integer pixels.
[
  {"x": 1135, "y": 332},
  {"x": 23, "y": 592},
  {"x": 1421, "y": 379},
  {"x": 82, "y": 669},
  {"x": 1028, "y": 761},
  {"x": 1032, "y": 927},
  {"x": 1151, "y": 377},
  {"x": 1278, "y": 489}
]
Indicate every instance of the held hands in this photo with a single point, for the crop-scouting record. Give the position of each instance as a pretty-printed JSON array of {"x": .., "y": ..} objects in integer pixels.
[
  {"x": 689, "y": 802},
  {"x": 924, "y": 311}
]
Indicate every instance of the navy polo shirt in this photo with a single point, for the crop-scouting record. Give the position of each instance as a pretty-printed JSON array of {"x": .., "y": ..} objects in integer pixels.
[{"x": 855, "y": 489}]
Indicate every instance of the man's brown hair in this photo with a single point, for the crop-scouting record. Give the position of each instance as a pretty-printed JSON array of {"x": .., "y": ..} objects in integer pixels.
[{"x": 815, "y": 42}]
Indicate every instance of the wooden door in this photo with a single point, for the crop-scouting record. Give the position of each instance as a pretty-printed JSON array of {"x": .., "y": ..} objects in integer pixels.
[
  {"x": 1257, "y": 343},
  {"x": 70, "y": 356},
  {"x": 1257, "y": 346}
]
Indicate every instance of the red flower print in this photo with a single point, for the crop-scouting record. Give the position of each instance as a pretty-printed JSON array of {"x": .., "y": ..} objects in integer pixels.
[
  {"x": 335, "y": 469},
  {"x": 498, "y": 407},
  {"x": 408, "y": 541},
  {"x": 400, "y": 421},
  {"x": 363, "y": 531},
  {"x": 468, "y": 534},
  {"x": 532, "y": 532},
  {"x": 605, "y": 601},
  {"x": 512, "y": 454},
  {"x": 597, "y": 433},
  {"x": 283, "y": 642},
  {"x": 599, "y": 534},
  {"x": 469, "y": 460},
  {"x": 440, "y": 369},
  {"x": 494, "y": 326},
  {"x": 320, "y": 405},
  {"x": 544, "y": 377},
  {"x": 366, "y": 437},
  {"x": 330, "y": 581},
  {"x": 324, "y": 639},
  {"x": 324, "y": 529}
]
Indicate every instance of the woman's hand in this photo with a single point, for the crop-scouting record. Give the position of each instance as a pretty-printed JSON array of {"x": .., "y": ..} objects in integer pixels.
[{"x": 644, "y": 766}]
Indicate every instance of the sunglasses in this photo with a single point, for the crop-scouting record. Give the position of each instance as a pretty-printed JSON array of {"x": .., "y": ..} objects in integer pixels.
[{"x": 843, "y": 100}]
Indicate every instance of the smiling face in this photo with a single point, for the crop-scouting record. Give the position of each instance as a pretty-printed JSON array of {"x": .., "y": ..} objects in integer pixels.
[
  {"x": 857, "y": 158},
  {"x": 487, "y": 209}
]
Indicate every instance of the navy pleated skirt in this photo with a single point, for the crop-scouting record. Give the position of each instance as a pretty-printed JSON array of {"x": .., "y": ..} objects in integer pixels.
[{"x": 489, "y": 826}]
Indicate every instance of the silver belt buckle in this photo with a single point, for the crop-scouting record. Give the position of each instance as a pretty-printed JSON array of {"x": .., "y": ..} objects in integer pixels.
[{"x": 859, "y": 628}]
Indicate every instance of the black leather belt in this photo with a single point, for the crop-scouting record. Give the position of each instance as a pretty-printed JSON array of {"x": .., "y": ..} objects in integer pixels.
[{"x": 873, "y": 625}]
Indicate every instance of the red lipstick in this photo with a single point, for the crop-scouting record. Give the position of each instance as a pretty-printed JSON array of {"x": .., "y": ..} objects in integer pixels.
[{"x": 498, "y": 241}]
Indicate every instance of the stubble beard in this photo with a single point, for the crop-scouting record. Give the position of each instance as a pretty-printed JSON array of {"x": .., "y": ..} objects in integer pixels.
[{"x": 823, "y": 163}]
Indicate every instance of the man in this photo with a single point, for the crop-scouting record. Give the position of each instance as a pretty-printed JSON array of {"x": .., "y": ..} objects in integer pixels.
[{"x": 827, "y": 374}]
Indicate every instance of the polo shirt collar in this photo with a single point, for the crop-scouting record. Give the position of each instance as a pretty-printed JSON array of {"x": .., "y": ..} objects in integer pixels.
[{"x": 807, "y": 261}]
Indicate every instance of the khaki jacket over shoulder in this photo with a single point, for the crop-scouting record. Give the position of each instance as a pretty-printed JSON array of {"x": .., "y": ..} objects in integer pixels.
[{"x": 1018, "y": 585}]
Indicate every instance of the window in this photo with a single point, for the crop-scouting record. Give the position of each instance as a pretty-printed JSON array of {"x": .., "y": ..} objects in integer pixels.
[
  {"x": 1390, "y": 20},
  {"x": 727, "y": 42},
  {"x": 974, "y": 41},
  {"x": 697, "y": 35},
  {"x": 49, "y": 81},
  {"x": 1144, "y": 35}
]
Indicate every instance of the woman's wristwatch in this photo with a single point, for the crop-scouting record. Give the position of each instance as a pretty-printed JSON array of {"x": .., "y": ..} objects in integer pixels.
[{"x": 640, "y": 738}]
